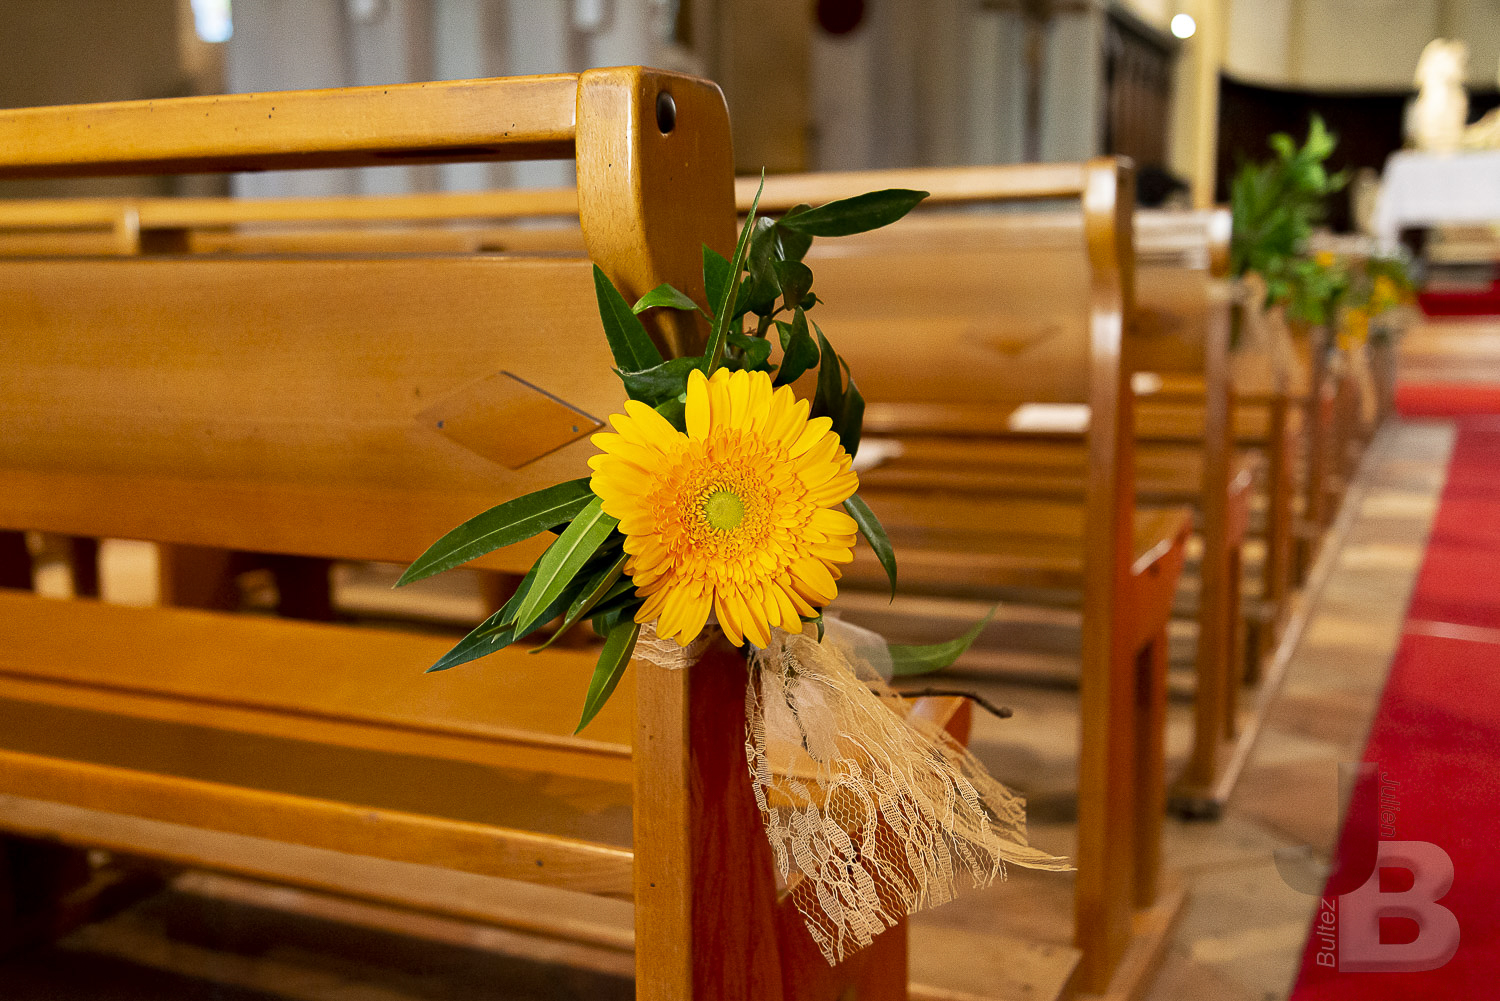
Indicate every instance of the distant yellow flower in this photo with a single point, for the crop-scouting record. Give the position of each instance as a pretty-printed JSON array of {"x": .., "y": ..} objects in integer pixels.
[
  {"x": 1325, "y": 259},
  {"x": 1356, "y": 329},
  {"x": 1385, "y": 295},
  {"x": 738, "y": 516}
]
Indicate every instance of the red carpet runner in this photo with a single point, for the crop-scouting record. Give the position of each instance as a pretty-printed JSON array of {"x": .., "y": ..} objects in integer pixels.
[{"x": 1434, "y": 794}]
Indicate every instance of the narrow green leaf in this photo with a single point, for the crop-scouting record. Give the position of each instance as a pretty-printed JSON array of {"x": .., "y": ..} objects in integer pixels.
[
  {"x": 814, "y": 620},
  {"x": 561, "y": 563},
  {"x": 667, "y": 296},
  {"x": 794, "y": 279},
  {"x": 509, "y": 523},
  {"x": 799, "y": 352},
  {"x": 628, "y": 340},
  {"x": 607, "y": 613},
  {"x": 618, "y": 646},
  {"x": 828, "y": 400},
  {"x": 859, "y": 214},
  {"x": 496, "y": 632},
  {"x": 874, "y": 533},
  {"x": 723, "y": 314},
  {"x": 604, "y": 585},
  {"x": 851, "y": 419},
  {"x": 660, "y": 382},
  {"x": 911, "y": 660},
  {"x": 715, "y": 276}
]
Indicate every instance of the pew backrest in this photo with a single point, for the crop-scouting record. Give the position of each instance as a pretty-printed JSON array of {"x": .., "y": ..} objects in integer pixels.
[{"x": 350, "y": 407}]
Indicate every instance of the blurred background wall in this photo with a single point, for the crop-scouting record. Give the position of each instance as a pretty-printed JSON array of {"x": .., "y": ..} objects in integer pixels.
[{"x": 812, "y": 84}]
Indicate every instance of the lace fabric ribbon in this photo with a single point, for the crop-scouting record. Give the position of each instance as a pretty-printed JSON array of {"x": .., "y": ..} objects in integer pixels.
[
  {"x": 666, "y": 653},
  {"x": 871, "y": 814}
]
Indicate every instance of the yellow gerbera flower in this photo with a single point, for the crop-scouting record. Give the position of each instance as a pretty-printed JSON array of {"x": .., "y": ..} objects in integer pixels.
[{"x": 738, "y": 516}]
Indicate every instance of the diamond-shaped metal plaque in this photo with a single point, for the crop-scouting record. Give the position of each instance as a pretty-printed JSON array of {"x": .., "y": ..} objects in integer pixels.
[{"x": 507, "y": 420}]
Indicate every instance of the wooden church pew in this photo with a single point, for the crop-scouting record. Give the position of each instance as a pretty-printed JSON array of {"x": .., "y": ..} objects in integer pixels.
[
  {"x": 490, "y": 221},
  {"x": 189, "y": 219},
  {"x": 204, "y": 226},
  {"x": 276, "y": 404},
  {"x": 948, "y": 337},
  {"x": 1181, "y": 327},
  {"x": 1167, "y": 473}
]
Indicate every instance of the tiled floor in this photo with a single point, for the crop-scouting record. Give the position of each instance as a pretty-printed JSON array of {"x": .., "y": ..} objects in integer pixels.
[{"x": 1240, "y": 936}]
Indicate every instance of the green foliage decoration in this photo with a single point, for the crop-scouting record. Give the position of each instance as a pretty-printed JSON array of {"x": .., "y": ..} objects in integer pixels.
[{"x": 1275, "y": 205}]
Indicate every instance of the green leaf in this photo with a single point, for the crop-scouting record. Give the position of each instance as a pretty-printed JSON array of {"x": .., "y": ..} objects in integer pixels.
[
  {"x": 628, "y": 340},
  {"x": 723, "y": 313},
  {"x": 715, "y": 276},
  {"x": 618, "y": 646},
  {"x": 794, "y": 246},
  {"x": 799, "y": 352},
  {"x": 910, "y": 660},
  {"x": 509, "y": 523},
  {"x": 828, "y": 400},
  {"x": 667, "y": 296},
  {"x": 496, "y": 632},
  {"x": 851, "y": 419},
  {"x": 675, "y": 410},
  {"x": 756, "y": 350},
  {"x": 874, "y": 533},
  {"x": 794, "y": 279},
  {"x": 607, "y": 613},
  {"x": 601, "y": 587},
  {"x": 562, "y": 561},
  {"x": 661, "y": 382},
  {"x": 859, "y": 214},
  {"x": 759, "y": 294}
]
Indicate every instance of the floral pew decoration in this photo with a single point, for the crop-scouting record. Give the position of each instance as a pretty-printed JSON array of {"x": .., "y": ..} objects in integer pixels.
[
  {"x": 722, "y": 501},
  {"x": 1275, "y": 206}
]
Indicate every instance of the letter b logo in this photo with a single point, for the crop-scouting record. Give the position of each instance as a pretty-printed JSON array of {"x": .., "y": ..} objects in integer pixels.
[{"x": 1360, "y": 911}]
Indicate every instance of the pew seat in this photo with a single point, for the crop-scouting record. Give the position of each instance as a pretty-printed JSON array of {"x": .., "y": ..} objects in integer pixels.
[{"x": 324, "y": 734}]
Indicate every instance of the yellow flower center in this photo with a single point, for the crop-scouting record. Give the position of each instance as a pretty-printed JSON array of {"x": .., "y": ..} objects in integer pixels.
[{"x": 723, "y": 510}]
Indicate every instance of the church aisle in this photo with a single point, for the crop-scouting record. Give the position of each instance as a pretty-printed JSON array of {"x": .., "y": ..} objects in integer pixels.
[
  {"x": 1248, "y": 917},
  {"x": 1430, "y": 798}
]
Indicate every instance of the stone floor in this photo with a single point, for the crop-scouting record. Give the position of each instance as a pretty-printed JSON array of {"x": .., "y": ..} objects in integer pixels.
[{"x": 1240, "y": 936}]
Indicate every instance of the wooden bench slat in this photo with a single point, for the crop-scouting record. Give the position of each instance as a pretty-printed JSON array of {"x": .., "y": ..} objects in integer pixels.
[
  {"x": 205, "y": 213},
  {"x": 525, "y": 907},
  {"x": 359, "y": 830},
  {"x": 965, "y": 548},
  {"x": 507, "y": 118},
  {"x": 1034, "y": 181},
  {"x": 348, "y": 685}
]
